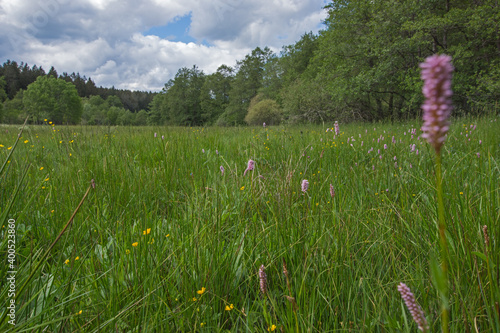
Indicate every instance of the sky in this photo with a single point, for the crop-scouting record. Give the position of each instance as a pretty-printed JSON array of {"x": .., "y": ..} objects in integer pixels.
[{"x": 140, "y": 45}]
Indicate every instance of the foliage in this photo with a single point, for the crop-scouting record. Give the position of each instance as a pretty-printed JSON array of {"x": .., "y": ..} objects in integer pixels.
[
  {"x": 263, "y": 111},
  {"x": 52, "y": 98}
]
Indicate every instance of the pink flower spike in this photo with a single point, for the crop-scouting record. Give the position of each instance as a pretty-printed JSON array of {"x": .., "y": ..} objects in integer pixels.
[
  {"x": 305, "y": 185},
  {"x": 250, "y": 166},
  {"x": 222, "y": 170},
  {"x": 436, "y": 73},
  {"x": 332, "y": 191},
  {"x": 415, "y": 310}
]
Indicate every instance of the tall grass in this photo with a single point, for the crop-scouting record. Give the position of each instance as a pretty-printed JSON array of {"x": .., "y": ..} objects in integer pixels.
[{"x": 166, "y": 242}]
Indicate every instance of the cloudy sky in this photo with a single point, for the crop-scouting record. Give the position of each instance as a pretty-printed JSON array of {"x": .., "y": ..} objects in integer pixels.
[{"x": 140, "y": 45}]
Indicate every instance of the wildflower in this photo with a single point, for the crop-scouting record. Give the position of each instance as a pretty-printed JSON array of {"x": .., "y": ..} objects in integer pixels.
[
  {"x": 436, "y": 73},
  {"x": 194, "y": 299},
  {"x": 250, "y": 166},
  {"x": 41, "y": 168},
  {"x": 416, "y": 311},
  {"x": 222, "y": 170},
  {"x": 229, "y": 308},
  {"x": 147, "y": 231},
  {"x": 272, "y": 328},
  {"x": 385, "y": 146},
  {"x": 305, "y": 185},
  {"x": 67, "y": 262},
  {"x": 201, "y": 291},
  {"x": 163, "y": 137},
  {"x": 135, "y": 244},
  {"x": 332, "y": 191},
  {"x": 486, "y": 237},
  {"x": 478, "y": 155},
  {"x": 80, "y": 312},
  {"x": 264, "y": 125},
  {"x": 480, "y": 141},
  {"x": 242, "y": 188},
  {"x": 263, "y": 279},
  {"x": 77, "y": 258},
  {"x": 203, "y": 151},
  {"x": 127, "y": 251},
  {"x": 155, "y": 134},
  {"x": 337, "y": 131}
]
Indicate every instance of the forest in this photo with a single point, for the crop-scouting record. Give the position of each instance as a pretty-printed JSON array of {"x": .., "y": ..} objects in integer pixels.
[{"x": 363, "y": 66}]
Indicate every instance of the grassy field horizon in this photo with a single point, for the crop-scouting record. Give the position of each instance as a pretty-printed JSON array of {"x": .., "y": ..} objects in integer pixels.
[{"x": 173, "y": 234}]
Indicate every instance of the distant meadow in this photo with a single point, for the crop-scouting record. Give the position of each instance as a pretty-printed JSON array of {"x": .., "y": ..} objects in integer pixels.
[{"x": 175, "y": 231}]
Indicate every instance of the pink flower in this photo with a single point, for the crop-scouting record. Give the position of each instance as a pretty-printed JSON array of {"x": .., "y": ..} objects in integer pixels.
[
  {"x": 305, "y": 185},
  {"x": 337, "y": 131},
  {"x": 263, "y": 279},
  {"x": 436, "y": 73},
  {"x": 222, "y": 170},
  {"x": 250, "y": 166},
  {"x": 415, "y": 310},
  {"x": 332, "y": 191}
]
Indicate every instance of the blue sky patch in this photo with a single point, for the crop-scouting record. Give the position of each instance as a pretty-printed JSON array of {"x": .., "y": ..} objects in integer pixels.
[{"x": 176, "y": 31}]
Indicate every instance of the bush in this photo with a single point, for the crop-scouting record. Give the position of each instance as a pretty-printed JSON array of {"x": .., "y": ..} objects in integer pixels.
[{"x": 266, "y": 111}]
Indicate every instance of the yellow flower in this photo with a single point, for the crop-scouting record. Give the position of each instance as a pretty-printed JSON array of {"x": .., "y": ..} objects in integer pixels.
[
  {"x": 47, "y": 179},
  {"x": 228, "y": 308},
  {"x": 461, "y": 193},
  {"x": 147, "y": 231},
  {"x": 26, "y": 141},
  {"x": 45, "y": 120},
  {"x": 60, "y": 141},
  {"x": 272, "y": 328},
  {"x": 50, "y": 122},
  {"x": 77, "y": 258},
  {"x": 200, "y": 292},
  {"x": 167, "y": 235},
  {"x": 202, "y": 324},
  {"x": 127, "y": 251},
  {"x": 9, "y": 148},
  {"x": 194, "y": 299},
  {"x": 52, "y": 211},
  {"x": 135, "y": 244},
  {"x": 41, "y": 168},
  {"x": 1, "y": 146},
  {"x": 242, "y": 188},
  {"x": 67, "y": 262},
  {"x": 80, "y": 312}
]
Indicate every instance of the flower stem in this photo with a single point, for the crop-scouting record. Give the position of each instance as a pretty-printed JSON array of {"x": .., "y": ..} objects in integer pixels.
[{"x": 443, "y": 244}]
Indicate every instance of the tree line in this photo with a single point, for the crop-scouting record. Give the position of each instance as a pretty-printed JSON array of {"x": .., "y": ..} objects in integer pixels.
[
  {"x": 364, "y": 65},
  {"x": 16, "y": 78}
]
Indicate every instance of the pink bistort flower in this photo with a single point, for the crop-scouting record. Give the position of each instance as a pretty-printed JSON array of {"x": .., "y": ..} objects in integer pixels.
[{"x": 436, "y": 73}]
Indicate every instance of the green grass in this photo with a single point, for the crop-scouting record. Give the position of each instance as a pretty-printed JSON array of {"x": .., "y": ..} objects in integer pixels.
[{"x": 195, "y": 228}]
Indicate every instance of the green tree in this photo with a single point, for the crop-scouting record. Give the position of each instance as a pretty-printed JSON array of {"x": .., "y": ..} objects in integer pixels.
[
  {"x": 53, "y": 99},
  {"x": 13, "y": 109},
  {"x": 214, "y": 96},
  {"x": 246, "y": 84},
  {"x": 183, "y": 97}
]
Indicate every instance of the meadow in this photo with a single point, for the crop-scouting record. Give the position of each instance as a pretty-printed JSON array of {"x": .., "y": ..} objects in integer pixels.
[{"x": 170, "y": 234}]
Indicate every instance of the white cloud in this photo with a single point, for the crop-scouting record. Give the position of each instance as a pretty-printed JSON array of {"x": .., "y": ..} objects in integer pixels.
[{"x": 103, "y": 38}]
